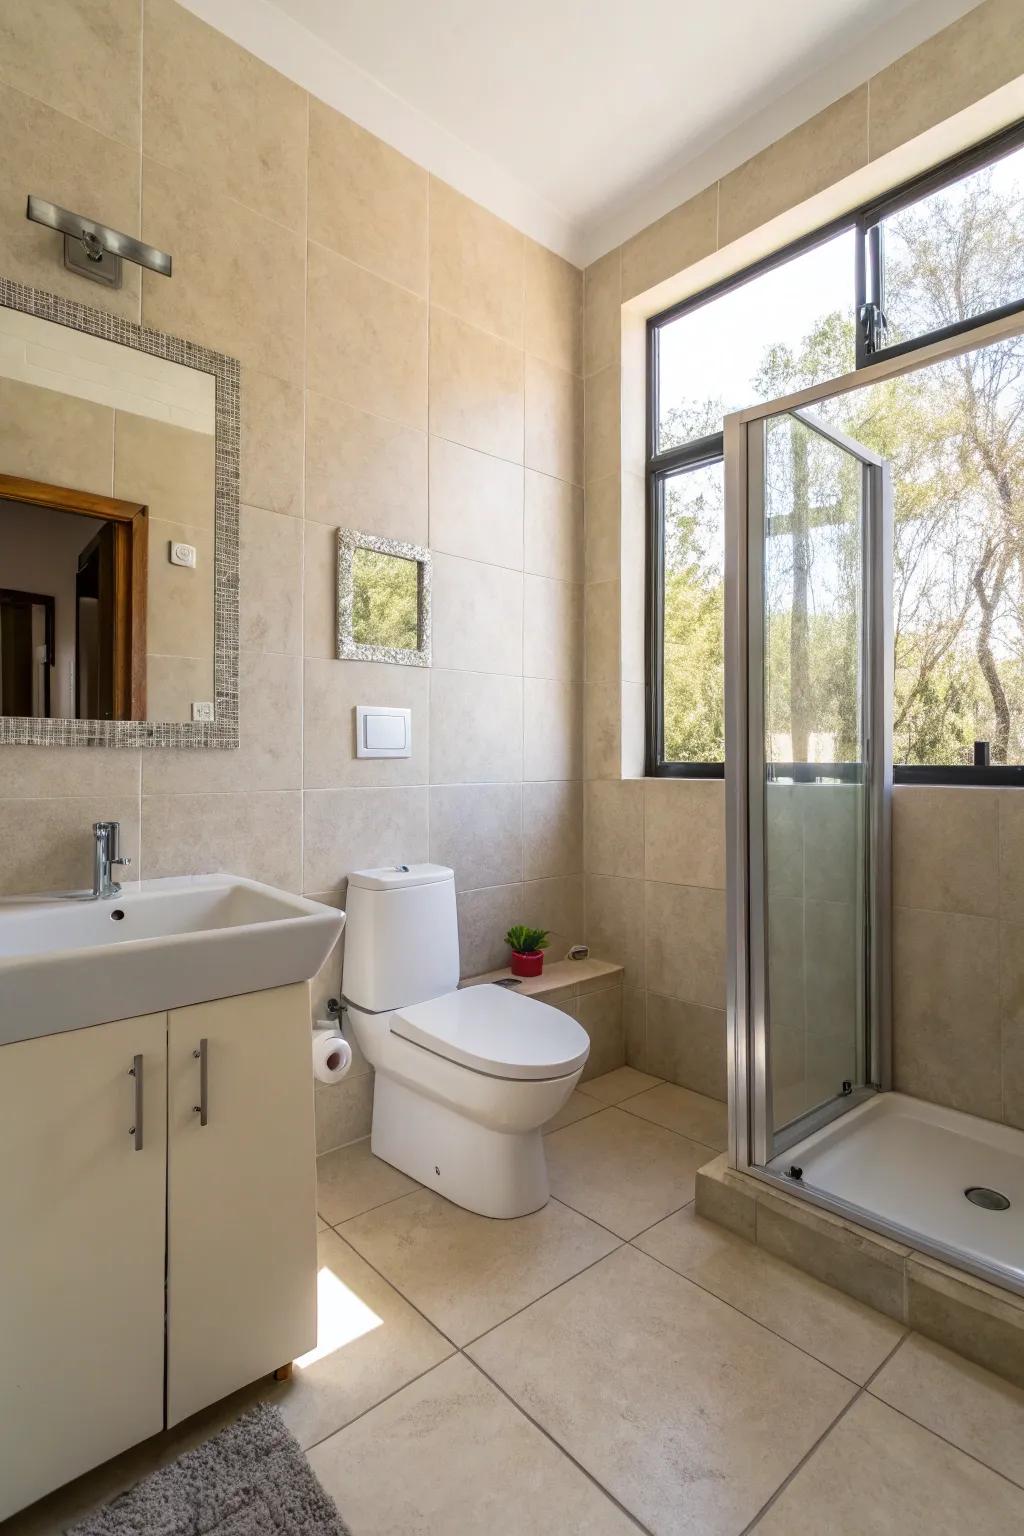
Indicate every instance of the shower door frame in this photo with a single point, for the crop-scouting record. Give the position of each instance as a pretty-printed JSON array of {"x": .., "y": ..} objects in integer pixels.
[{"x": 749, "y": 1104}]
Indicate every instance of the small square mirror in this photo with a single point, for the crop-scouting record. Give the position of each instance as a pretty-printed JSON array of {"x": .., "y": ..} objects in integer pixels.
[{"x": 383, "y": 599}]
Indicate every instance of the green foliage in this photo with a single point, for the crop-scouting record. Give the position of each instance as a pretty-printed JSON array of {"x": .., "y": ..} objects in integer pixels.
[
  {"x": 526, "y": 941},
  {"x": 385, "y": 600}
]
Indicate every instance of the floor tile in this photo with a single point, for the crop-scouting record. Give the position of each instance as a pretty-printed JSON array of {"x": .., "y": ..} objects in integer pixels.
[
  {"x": 351, "y": 1180},
  {"x": 619, "y": 1084},
  {"x": 370, "y": 1342},
  {"x": 576, "y": 1107},
  {"x": 685, "y": 1112},
  {"x": 451, "y": 1454},
  {"x": 879, "y": 1473},
  {"x": 621, "y": 1171},
  {"x": 686, "y": 1411},
  {"x": 960, "y": 1401},
  {"x": 465, "y": 1272},
  {"x": 837, "y": 1330}
]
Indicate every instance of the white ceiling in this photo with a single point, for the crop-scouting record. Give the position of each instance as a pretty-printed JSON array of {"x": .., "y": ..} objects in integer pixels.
[{"x": 579, "y": 120}]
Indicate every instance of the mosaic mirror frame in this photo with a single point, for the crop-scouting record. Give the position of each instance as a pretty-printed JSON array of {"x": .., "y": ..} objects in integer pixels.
[{"x": 350, "y": 541}]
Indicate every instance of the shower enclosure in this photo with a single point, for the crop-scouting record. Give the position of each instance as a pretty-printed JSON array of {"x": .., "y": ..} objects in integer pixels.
[{"x": 809, "y": 698}]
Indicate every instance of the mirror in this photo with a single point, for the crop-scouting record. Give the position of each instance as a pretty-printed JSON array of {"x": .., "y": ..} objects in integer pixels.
[
  {"x": 383, "y": 599},
  {"x": 118, "y": 531}
]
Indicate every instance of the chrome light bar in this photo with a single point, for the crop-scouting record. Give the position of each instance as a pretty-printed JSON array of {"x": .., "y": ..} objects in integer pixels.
[{"x": 95, "y": 250}]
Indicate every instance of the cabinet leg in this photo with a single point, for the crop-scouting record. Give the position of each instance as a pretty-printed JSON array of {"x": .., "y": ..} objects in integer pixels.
[{"x": 283, "y": 1372}]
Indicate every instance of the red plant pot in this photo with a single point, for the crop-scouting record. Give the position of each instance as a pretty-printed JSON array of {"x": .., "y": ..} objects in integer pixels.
[{"x": 527, "y": 964}]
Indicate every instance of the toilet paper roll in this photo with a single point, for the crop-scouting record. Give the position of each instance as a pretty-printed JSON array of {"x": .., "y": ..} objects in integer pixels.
[{"x": 332, "y": 1057}]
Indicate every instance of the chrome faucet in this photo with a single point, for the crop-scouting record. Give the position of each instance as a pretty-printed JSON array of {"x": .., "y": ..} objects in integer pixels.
[{"x": 106, "y": 857}]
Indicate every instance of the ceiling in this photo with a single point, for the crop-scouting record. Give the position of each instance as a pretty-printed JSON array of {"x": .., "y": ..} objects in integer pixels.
[{"x": 579, "y": 120}]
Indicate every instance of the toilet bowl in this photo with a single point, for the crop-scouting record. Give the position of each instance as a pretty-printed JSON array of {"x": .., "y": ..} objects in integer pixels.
[{"x": 465, "y": 1079}]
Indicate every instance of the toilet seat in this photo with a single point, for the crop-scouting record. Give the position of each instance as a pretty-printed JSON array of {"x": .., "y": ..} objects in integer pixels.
[{"x": 492, "y": 1030}]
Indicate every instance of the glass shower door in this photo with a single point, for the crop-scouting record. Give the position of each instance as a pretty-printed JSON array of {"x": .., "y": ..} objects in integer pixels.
[{"x": 819, "y": 770}]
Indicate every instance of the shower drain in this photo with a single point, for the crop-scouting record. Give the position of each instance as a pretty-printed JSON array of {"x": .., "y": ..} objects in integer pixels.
[{"x": 988, "y": 1199}]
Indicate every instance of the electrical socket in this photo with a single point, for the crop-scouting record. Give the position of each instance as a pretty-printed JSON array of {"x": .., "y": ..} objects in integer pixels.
[{"x": 202, "y": 711}]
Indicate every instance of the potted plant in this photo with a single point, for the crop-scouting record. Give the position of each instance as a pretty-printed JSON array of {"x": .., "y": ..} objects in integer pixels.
[{"x": 527, "y": 946}]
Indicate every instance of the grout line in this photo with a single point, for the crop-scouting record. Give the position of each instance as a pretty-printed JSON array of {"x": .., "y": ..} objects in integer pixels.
[
  {"x": 336, "y": 1226},
  {"x": 494, "y": 1327},
  {"x": 373, "y": 1406}
]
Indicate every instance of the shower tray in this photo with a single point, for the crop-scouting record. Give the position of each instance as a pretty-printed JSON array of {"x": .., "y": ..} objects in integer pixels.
[{"x": 909, "y": 1164}]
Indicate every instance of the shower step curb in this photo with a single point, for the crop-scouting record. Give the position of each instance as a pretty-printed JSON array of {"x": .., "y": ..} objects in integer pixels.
[{"x": 979, "y": 1320}]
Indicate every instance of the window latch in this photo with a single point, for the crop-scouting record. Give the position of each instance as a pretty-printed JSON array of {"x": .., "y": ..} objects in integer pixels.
[{"x": 872, "y": 324}]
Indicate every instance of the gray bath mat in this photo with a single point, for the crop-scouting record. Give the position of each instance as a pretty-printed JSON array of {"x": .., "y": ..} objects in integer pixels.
[{"x": 250, "y": 1480}]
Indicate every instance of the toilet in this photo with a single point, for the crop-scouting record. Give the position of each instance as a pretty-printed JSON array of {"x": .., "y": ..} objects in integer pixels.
[{"x": 465, "y": 1079}]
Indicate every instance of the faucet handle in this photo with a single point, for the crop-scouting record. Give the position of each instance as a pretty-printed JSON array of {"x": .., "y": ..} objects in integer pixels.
[{"x": 125, "y": 862}]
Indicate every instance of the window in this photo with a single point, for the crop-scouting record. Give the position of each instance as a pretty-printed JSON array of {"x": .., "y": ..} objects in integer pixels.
[{"x": 941, "y": 256}]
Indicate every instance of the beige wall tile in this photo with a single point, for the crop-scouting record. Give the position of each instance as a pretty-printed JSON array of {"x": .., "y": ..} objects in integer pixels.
[
  {"x": 255, "y": 834},
  {"x": 235, "y": 125},
  {"x": 331, "y": 692},
  {"x": 34, "y": 773},
  {"x": 1011, "y": 961},
  {"x": 477, "y": 615},
  {"x": 602, "y": 742},
  {"x": 1011, "y": 857},
  {"x": 57, "y": 158},
  {"x": 556, "y": 904},
  {"x": 832, "y": 839},
  {"x": 270, "y": 581},
  {"x": 174, "y": 682},
  {"x": 983, "y": 1322},
  {"x": 614, "y": 827},
  {"x": 346, "y": 829},
  {"x": 220, "y": 295},
  {"x": 271, "y": 443},
  {"x": 485, "y": 916},
  {"x": 476, "y": 388},
  {"x": 476, "y": 505},
  {"x": 957, "y": 871},
  {"x": 554, "y": 308},
  {"x": 552, "y": 629},
  {"x": 828, "y": 146},
  {"x": 722, "y": 1198},
  {"x": 553, "y": 543},
  {"x": 601, "y": 632},
  {"x": 686, "y": 943},
  {"x": 320, "y": 590},
  {"x": 601, "y": 425},
  {"x": 671, "y": 244},
  {"x": 365, "y": 472},
  {"x": 602, "y": 312},
  {"x": 614, "y": 924},
  {"x": 179, "y": 615},
  {"x": 169, "y": 468},
  {"x": 552, "y": 829},
  {"x": 367, "y": 340},
  {"x": 81, "y": 57},
  {"x": 477, "y": 830},
  {"x": 344, "y": 1111},
  {"x": 634, "y": 1024},
  {"x": 269, "y": 754},
  {"x": 684, "y": 831},
  {"x": 476, "y": 728},
  {"x": 554, "y": 421},
  {"x": 553, "y": 729},
  {"x": 57, "y": 438},
  {"x": 602, "y": 555},
  {"x": 366, "y": 201},
  {"x": 959, "y": 65},
  {"x": 686, "y": 1043},
  {"x": 476, "y": 264},
  {"x": 946, "y": 1035},
  {"x": 834, "y": 1251},
  {"x": 600, "y": 1013},
  {"x": 48, "y": 844}
]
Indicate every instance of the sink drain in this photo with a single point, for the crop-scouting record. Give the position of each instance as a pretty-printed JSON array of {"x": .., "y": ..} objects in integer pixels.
[{"x": 988, "y": 1199}]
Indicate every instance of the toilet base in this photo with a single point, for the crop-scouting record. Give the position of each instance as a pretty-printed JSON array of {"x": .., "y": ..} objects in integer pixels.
[{"x": 494, "y": 1173}]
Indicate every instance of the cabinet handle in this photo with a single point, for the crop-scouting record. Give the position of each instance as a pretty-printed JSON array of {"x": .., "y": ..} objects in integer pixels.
[
  {"x": 202, "y": 1109},
  {"x": 135, "y": 1071}
]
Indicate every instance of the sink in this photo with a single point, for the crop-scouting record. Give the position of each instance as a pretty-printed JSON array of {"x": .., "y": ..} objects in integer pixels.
[{"x": 160, "y": 944}]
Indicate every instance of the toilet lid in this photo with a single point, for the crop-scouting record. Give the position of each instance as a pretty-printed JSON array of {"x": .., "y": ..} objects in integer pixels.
[{"x": 492, "y": 1030}]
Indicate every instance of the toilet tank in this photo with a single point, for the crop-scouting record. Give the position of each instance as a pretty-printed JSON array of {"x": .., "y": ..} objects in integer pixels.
[{"x": 401, "y": 936}]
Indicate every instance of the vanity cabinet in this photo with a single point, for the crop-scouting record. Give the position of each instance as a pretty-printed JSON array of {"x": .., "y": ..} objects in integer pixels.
[{"x": 140, "y": 1245}]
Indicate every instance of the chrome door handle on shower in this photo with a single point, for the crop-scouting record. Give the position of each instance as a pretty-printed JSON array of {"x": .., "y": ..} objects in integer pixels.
[
  {"x": 202, "y": 1109},
  {"x": 135, "y": 1130}
]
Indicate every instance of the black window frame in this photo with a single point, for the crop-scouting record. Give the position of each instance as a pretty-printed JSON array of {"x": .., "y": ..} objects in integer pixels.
[{"x": 866, "y": 222}]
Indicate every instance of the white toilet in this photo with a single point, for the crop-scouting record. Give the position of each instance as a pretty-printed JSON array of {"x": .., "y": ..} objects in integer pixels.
[{"x": 464, "y": 1079}]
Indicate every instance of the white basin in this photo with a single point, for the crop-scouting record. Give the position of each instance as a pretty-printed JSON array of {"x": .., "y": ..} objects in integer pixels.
[{"x": 159, "y": 944}]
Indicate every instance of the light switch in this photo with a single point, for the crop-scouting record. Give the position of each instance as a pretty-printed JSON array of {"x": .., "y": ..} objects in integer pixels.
[{"x": 382, "y": 731}]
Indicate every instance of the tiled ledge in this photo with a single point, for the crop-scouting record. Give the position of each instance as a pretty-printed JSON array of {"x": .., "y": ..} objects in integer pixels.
[
  {"x": 967, "y": 1314},
  {"x": 577, "y": 977}
]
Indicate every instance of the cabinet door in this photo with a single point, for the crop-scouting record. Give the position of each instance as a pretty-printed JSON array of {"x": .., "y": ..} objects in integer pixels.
[
  {"x": 81, "y": 1251},
  {"x": 241, "y": 1190}
]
